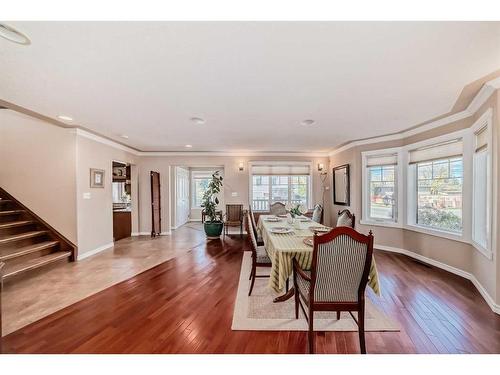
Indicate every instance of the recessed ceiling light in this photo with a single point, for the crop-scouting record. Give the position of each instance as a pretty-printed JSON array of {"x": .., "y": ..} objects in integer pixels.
[
  {"x": 197, "y": 120},
  {"x": 188, "y": 146},
  {"x": 308, "y": 122},
  {"x": 65, "y": 118},
  {"x": 11, "y": 34},
  {"x": 124, "y": 136}
]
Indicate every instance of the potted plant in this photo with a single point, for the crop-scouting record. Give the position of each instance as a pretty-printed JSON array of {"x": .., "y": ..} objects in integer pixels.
[{"x": 213, "y": 226}]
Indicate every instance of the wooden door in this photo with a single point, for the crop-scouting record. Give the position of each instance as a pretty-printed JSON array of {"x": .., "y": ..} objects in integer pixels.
[{"x": 155, "y": 204}]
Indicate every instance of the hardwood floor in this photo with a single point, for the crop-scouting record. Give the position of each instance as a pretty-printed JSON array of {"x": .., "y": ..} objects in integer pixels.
[{"x": 185, "y": 305}]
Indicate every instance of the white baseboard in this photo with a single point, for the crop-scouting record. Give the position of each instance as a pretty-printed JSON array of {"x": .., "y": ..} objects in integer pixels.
[
  {"x": 466, "y": 275},
  {"x": 95, "y": 251},
  {"x": 195, "y": 220}
]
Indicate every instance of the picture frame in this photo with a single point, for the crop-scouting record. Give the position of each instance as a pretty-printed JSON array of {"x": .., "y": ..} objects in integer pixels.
[
  {"x": 96, "y": 178},
  {"x": 341, "y": 185}
]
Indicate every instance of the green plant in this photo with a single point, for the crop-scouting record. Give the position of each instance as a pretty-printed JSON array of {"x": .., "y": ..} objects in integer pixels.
[{"x": 210, "y": 200}]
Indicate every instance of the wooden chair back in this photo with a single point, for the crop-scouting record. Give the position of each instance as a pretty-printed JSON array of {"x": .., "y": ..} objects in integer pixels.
[
  {"x": 346, "y": 215},
  {"x": 278, "y": 208},
  {"x": 317, "y": 214},
  {"x": 234, "y": 213},
  {"x": 340, "y": 266}
]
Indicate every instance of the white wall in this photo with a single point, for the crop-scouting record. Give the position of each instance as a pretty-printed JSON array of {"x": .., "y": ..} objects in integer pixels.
[{"x": 37, "y": 167}]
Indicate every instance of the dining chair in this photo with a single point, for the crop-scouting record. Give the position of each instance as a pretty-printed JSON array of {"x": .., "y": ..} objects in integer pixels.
[
  {"x": 259, "y": 258},
  {"x": 278, "y": 208},
  {"x": 317, "y": 215},
  {"x": 234, "y": 218},
  {"x": 346, "y": 219},
  {"x": 337, "y": 279},
  {"x": 253, "y": 226}
]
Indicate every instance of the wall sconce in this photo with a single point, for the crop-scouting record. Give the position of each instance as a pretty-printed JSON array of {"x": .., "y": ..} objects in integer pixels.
[
  {"x": 240, "y": 167},
  {"x": 321, "y": 167}
]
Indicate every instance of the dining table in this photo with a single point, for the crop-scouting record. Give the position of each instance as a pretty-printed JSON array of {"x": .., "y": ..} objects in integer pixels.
[{"x": 282, "y": 248}]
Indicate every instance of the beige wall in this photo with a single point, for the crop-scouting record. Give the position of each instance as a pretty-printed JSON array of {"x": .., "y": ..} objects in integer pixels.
[
  {"x": 38, "y": 168},
  {"x": 95, "y": 215},
  {"x": 234, "y": 180},
  {"x": 453, "y": 253}
]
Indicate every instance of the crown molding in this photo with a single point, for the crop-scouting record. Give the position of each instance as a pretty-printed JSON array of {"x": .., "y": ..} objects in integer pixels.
[
  {"x": 233, "y": 153},
  {"x": 481, "y": 97},
  {"x": 108, "y": 142}
]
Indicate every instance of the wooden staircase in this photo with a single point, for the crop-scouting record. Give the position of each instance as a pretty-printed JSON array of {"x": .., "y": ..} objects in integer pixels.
[{"x": 26, "y": 241}]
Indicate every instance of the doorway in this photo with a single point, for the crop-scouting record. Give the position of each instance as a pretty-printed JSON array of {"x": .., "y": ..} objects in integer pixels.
[
  {"x": 188, "y": 188},
  {"x": 122, "y": 201}
]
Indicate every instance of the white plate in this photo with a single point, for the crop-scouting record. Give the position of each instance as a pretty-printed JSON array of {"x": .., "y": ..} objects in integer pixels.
[
  {"x": 281, "y": 230},
  {"x": 319, "y": 229},
  {"x": 272, "y": 219}
]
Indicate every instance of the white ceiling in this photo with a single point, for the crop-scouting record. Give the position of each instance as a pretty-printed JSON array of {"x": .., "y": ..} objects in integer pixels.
[{"x": 253, "y": 82}]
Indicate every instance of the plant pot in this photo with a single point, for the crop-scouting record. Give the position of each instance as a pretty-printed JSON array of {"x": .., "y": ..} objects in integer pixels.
[{"x": 213, "y": 229}]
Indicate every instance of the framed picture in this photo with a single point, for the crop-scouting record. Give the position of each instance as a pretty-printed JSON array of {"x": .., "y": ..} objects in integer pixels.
[
  {"x": 341, "y": 186},
  {"x": 96, "y": 178}
]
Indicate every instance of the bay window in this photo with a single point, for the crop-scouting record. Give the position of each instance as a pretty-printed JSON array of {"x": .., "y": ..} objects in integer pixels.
[{"x": 271, "y": 183}]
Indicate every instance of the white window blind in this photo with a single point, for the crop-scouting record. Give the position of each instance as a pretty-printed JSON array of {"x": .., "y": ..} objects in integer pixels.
[
  {"x": 443, "y": 150},
  {"x": 382, "y": 160},
  {"x": 281, "y": 169},
  {"x": 481, "y": 139}
]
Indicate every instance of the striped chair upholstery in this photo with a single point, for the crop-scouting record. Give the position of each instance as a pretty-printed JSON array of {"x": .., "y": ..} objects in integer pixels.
[
  {"x": 253, "y": 225},
  {"x": 336, "y": 280},
  {"x": 345, "y": 219},
  {"x": 317, "y": 215},
  {"x": 278, "y": 208},
  {"x": 339, "y": 269},
  {"x": 259, "y": 256}
]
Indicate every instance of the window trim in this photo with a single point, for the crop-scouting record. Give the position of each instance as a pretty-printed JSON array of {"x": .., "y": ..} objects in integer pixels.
[
  {"x": 256, "y": 163},
  {"x": 365, "y": 199},
  {"x": 486, "y": 120},
  {"x": 411, "y": 188}
]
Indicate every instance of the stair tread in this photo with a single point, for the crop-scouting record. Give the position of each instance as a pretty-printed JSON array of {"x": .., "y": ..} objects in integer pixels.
[
  {"x": 11, "y": 212},
  {"x": 14, "y": 253},
  {"x": 21, "y": 236},
  {"x": 17, "y": 223},
  {"x": 17, "y": 268}
]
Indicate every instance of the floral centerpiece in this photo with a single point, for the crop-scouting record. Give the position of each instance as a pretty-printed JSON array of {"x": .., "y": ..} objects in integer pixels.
[{"x": 296, "y": 209}]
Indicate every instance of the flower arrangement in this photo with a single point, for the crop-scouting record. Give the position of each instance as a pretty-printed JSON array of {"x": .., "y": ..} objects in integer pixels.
[{"x": 296, "y": 210}]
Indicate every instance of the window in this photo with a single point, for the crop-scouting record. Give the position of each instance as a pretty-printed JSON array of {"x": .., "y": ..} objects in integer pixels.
[
  {"x": 273, "y": 183},
  {"x": 200, "y": 183},
  {"x": 438, "y": 188},
  {"x": 481, "y": 187},
  {"x": 382, "y": 192},
  {"x": 380, "y": 196},
  {"x": 439, "y": 194}
]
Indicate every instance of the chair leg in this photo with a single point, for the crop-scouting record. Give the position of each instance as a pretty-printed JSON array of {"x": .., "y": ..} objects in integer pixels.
[
  {"x": 361, "y": 327},
  {"x": 310, "y": 338},
  {"x": 254, "y": 271},
  {"x": 338, "y": 315},
  {"x": 241, "y": 230},
  {"x": 297, "y": 302}
]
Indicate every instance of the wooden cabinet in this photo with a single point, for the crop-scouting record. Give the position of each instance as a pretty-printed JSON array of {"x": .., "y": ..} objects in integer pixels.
[{"x": 122, "y": 224}]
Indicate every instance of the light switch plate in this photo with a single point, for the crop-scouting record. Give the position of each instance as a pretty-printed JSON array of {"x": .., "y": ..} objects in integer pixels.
[
  {"x": 86, "y": 196},
  {"x": 234, "y": 194}
]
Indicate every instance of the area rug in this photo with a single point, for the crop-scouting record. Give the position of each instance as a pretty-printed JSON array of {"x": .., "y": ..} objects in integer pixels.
[{"x": 259, "y": 313}]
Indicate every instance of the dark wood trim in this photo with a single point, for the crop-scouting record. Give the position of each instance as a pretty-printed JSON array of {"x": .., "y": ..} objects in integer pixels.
[
  {"x": 65, "y": 244},
  {"x": 1, "y": 288},
  {"x": 155, "y": 231},
  {"x": 348, "y": 193}
]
